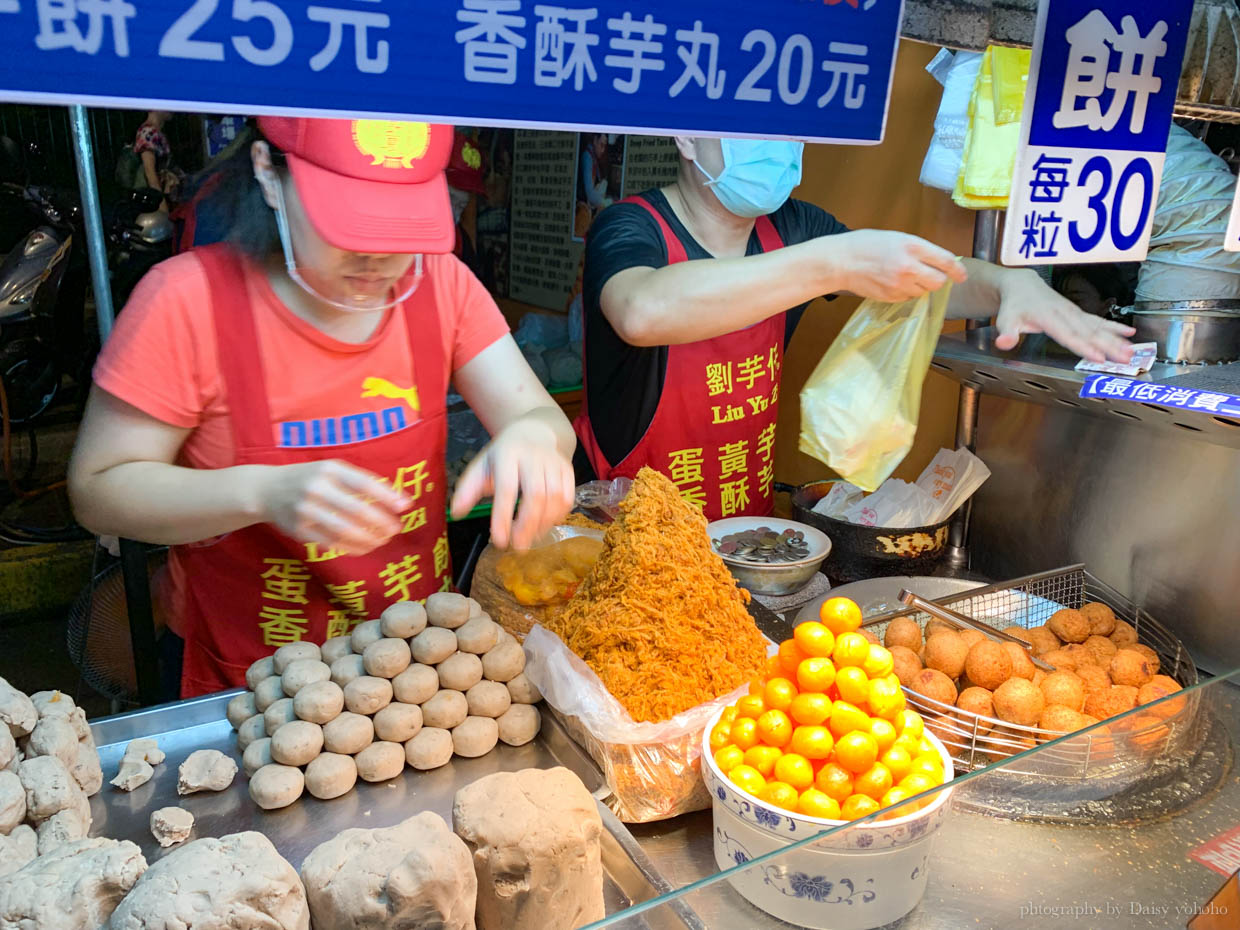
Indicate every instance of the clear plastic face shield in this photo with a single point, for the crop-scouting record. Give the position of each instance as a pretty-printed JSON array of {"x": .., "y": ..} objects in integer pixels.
[{"x": 358, "y": 304}]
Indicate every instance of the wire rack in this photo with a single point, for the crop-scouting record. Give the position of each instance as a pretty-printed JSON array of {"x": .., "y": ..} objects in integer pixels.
[{"x": 1119, "y": 753}]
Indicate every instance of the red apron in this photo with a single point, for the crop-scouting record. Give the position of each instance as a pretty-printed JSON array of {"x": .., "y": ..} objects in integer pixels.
[
  {"x": 252, "y": 591},
  {"x": 713, "y": 433}
]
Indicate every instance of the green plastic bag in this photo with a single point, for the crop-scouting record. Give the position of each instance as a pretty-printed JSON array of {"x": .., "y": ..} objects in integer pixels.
[{"x": 859, "y": 408}]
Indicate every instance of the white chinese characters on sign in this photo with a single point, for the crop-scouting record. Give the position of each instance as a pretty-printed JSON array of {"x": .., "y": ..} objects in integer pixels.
[
  {"x": 491, "y": 41},
  {"x": 361, "y": 21},
  {"x": 561, "y": 53},
  {"x": 690, "y": 53},
  {"x": 60, "y": 26},
  {"x": 1091, "y": 43},
  {"x": 849, "y": 70},
  {"x": 636, "y": 41}
]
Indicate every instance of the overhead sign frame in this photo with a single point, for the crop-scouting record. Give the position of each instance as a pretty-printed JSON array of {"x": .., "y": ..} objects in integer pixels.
[{"x": 813, "y": 70}]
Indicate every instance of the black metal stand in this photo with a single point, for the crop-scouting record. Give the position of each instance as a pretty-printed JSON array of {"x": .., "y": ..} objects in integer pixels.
[{"x": 141, "y": 621}]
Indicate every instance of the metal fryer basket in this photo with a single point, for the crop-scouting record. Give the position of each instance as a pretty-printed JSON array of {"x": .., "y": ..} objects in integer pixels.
[{"x": 1115, "y": 756}]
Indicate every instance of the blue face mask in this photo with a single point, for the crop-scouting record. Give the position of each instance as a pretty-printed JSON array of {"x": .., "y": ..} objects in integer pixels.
[{"x": 758, "y": 175}]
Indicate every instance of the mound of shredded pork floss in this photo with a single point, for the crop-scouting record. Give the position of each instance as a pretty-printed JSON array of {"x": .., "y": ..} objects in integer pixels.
[{"x": 659, "y": 618}]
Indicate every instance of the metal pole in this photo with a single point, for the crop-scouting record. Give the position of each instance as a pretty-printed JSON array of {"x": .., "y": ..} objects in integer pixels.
[
  {"x": 985, "y": 247},
  {"x": 96, "y": 247},
  {"x": 141, "y": 621},
  {"x": 133, "y": 554}
]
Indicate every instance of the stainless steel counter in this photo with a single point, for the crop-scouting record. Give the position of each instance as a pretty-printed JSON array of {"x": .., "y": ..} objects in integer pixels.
[
  {"x": 993, "y": 873},
  {"x": 186, "y": 726}
]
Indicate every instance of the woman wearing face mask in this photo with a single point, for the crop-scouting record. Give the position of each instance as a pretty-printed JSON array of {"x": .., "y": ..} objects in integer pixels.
[
  {"x": 274, "y": 408},
  {"x": 692, "y": 291}
]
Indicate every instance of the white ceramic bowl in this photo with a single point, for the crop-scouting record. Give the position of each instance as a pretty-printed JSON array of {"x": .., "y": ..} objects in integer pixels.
[
  {"x": 869, "y": 875},
  {"x": 776, "y": 579}
]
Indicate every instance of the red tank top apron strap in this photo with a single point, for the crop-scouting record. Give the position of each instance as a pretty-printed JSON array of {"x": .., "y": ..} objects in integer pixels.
[
  {"x": 256, "y": 589},
  {"x": 713, "y": 432}
]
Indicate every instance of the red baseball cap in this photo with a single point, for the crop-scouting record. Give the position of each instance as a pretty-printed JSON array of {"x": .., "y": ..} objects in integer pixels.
[
  {"x": 465, "y": 169},
  {"x": 370, "y": 185}
]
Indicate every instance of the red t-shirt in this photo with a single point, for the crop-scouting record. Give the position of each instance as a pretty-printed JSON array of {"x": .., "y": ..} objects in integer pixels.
[{"x": 162, "y": 358}]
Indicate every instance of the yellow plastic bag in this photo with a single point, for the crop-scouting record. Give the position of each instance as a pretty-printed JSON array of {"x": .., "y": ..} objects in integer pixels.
[{"x": 860, "y": 406}]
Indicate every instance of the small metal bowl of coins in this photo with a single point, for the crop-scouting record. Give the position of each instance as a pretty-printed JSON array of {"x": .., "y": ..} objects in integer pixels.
[{"x": 767, "y": 555}]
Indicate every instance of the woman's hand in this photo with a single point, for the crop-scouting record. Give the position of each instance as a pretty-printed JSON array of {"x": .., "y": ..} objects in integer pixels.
[
  {"x": 331, "y": 504},
  {"x": 891, "y": 266},
  {"x": 1028, "y": 305},
  {"x": 523, "y": 459}
]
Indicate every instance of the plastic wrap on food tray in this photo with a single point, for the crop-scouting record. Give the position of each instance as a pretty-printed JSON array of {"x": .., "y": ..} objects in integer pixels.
[
  {"x": 518, "y": 589},
  {"x": 652, "y": 769},
  {"x": 600, "y": 500}
]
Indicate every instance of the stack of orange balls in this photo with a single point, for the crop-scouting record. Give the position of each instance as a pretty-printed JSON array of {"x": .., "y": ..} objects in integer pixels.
[{"x": 827, "y": 734}]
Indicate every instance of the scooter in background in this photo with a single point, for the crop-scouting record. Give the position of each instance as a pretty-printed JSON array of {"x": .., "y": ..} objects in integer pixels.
[
  {"x": 41, "y": 327},
  {"x": 140, "y": 235}
]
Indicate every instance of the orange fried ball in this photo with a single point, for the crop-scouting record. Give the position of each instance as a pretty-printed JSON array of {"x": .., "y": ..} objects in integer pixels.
[
  {"x": 1042, "y": 640},
  {"x": 1129, "y": 667},
  {"x": 1039, "y": 676},
  {"x": 1100, "y": 617},
  {"x": 905, "y": 664},
  {"x": 1022, "y": 665},
  {"x": 972, "y": 637},
  {"x": 903, "y": 631},
  {"x": 1155, "y": 662},
  {"x": 1159, "y": 687},
  {"x": 1080, "y": 655},
  {"x": 1102, "y": 648},
  {"x": 988, "y": 664},
  {"x": 1094, "y": 677},
  {"x": 1060, "y": 658},
  {"x": 933, "y": 684},
  {"x": 976, "y": 701},
  {"x": 1019, "y": 701},
  {"x": 1124, "y": 634},
  {"x": 1064, "y": 688},
  {"x": 870, "y": 637},
  {"x": 938, "y": 626},
  {"x": 1060, "y": 719},
  {"x": 946, "y": 652},
  {"x": 1069, "y": 625},
  {"x": 1115, "y": 700},
  {"x": 1004, "y": 742},
  {"x": 1019, "y": 632}
]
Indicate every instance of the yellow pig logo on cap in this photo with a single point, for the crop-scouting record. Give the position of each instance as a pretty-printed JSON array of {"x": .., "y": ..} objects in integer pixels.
[{"x": 390, "y": 143}]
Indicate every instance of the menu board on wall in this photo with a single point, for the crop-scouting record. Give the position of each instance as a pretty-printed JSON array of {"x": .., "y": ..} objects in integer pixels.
[
  {"x": 650, "y": 161},
  {"x": 544, "y": 259}
]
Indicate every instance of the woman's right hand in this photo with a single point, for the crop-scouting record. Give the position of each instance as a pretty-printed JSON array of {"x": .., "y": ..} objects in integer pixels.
[
  {"x": 890, "y": 266},
  {"x": 331, "y": 504}
]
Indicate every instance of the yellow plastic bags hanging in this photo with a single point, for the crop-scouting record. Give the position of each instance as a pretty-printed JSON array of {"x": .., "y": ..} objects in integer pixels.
[
  {"x": 860, "y": 406},
  {"x": 993, "y": 134}
]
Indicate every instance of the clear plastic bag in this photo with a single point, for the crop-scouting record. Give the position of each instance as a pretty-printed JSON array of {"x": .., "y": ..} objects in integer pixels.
[
  {"x": 651, "y": 768},
  {"x": 860, "y": 406}
]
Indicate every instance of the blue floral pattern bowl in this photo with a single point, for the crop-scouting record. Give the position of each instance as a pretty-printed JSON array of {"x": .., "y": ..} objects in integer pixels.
[{"x": 862, "y": 877}]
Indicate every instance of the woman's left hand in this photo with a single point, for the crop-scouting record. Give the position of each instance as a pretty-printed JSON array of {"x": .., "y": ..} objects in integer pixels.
[
  {"x": 522, "y": 460},
  {"x": 1029, "y": 305}
]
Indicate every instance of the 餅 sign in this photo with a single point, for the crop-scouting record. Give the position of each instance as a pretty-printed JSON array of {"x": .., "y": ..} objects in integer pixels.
[
  {"x": 1094, "y": 131},
  {"x": 806, "y": 69}
]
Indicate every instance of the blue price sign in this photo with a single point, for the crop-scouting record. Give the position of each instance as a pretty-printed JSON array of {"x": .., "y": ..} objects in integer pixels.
[
  {"x": 818, "y": 70},
  {"x": 1094, "y": 132},
  {"x": 1110, "y": 387}
]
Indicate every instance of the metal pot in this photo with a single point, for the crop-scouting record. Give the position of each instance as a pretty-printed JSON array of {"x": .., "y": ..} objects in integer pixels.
[
  {"x": 1189, "y": 331},
  {"x": 859, "y": 552}
]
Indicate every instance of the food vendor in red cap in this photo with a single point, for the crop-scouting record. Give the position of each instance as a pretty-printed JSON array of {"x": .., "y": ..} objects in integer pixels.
[
  {"x": 691, "y": 291},
  {"x": 273, "y": 408},
  {"x": 466, "y": 178}
]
